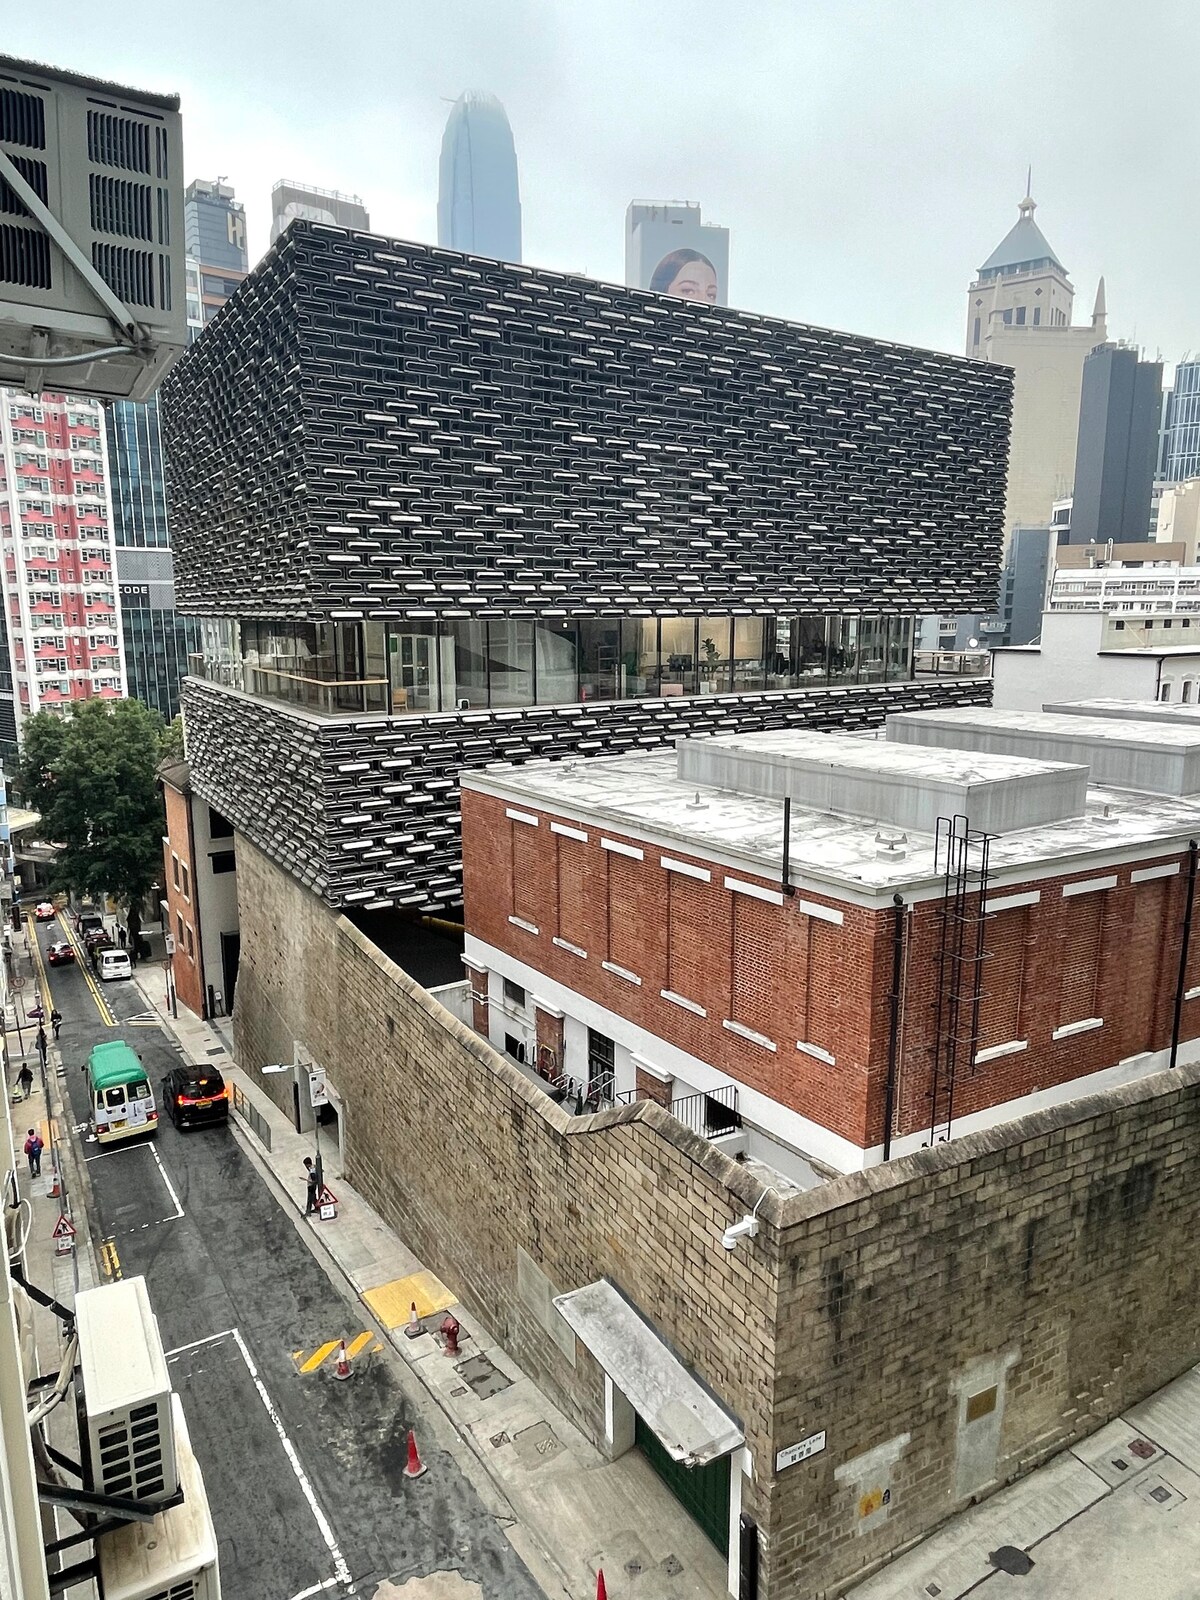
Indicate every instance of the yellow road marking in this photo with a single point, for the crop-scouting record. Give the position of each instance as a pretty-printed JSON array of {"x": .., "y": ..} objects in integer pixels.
[
  {"x": 84, "y": 965},
  {"x": 310, "y": 1361},
  {"x": 110, "y": 1260},
  {"x": 35, "y": 955},
  {"x": 391, "y": 1302},
  {"x": 315, "y": 1360}
]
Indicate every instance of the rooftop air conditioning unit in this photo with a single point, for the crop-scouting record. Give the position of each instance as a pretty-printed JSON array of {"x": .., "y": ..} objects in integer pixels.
[
  {"x": 92, "y": 297},
  {"x": 126, "y": 1393},
  {"x": 175, "y": 1556}
]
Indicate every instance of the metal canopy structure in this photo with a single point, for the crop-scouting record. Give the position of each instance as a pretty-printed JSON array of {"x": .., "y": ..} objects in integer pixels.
[{"x": 691, "y": 1426}]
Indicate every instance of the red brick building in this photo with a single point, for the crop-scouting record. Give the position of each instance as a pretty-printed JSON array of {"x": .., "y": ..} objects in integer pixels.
[
  {"x": 201, "y": 914},
  {"x": 632, "y": 930}
]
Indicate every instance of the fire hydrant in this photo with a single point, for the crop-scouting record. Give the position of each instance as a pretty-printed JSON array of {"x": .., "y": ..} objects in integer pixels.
[{"x": 449, "y": 1332}]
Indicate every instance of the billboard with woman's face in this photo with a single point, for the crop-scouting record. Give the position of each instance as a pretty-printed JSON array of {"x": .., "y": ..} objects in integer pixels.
[
  {"x": 688, "y": 275},
  {"x": 670, "y": 250}
]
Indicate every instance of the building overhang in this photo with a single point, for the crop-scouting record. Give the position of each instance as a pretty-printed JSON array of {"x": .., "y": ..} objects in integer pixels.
[{"x": 690, "y": 1425}]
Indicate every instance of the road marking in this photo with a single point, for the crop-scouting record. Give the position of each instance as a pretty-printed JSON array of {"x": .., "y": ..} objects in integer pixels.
[
  {"x": 341, "y": 1572},
  {"x": 110, "y": 1260},
  {"x": 82, "y": 962},
  {"x": 166, "y": 1180},
  {"x": 309, "y": 1361}
]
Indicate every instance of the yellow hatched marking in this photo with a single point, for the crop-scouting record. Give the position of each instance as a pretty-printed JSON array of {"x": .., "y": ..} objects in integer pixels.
[
  {"x": 391, "y": 1302},
  {"x": 323, "y": 1354},
  {"x": 357, "y": 1346}
]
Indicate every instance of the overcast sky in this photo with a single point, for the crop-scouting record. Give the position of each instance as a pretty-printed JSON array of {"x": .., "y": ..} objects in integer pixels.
[{"x": 866, "y": 154}]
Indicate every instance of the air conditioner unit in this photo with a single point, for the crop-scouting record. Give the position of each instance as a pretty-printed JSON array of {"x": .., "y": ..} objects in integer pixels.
[
  {"x": 126, "y": 1393},
  {"x": 91, "y": 234},
  {"x": 175, "y": 1556}
]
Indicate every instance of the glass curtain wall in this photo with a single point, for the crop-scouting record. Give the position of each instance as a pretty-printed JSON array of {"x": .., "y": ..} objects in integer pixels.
[{"x": 509, "y": 663}]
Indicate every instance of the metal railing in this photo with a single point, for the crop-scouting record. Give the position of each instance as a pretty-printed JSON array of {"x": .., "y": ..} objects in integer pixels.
[
  {"x": 952, "y": 663},
  {"x": 331, "y": 696},
  {"x": 709, "y": 1115}
]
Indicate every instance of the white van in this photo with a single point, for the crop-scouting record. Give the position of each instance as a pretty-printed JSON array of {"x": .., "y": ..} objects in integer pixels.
[{"x": 114, "y": 964}]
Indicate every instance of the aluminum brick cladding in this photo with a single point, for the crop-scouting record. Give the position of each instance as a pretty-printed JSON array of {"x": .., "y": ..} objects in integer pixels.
[{"x": 378, "y": 428}]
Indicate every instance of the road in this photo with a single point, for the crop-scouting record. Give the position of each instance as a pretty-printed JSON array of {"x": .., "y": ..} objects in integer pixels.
[{"x": 304, "y": 1474}]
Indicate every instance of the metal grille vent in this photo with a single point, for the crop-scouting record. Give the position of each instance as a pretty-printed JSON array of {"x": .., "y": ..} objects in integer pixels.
[
  {"x": 22, "y": 119},
  {"x": 185, "y": 1590},
  {"x": 120, "y": 206},
  {"x": 129, "y": 273},
  {"x": 34, "y": 173},
  {"x": 24, "y": 257},
  {"x": 131, "y": 1456},
  {"x": 118, "y": 141}
]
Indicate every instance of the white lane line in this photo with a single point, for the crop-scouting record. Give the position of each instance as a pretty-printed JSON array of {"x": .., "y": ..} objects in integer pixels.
[
  {"x": 341, "y": 1572},
  {"x": 318, "y": 1588},
  {"x": 211, "y": 1338},
  {"x": 167, "y": 1181}
]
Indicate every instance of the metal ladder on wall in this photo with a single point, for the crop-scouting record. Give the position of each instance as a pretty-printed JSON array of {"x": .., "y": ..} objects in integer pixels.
[{"x": 961, "y": 853}]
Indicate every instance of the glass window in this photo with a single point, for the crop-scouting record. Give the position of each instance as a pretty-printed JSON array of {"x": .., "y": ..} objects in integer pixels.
[
  {"x": 677, "y": 651},
  {"x": 555, "y": 647},
  {"x": 872, "y": 666},
  {"x": 468, "y": 640},
  {"x": 899, "y": 648},
  {"x": 414, "y": 672},
  {"x": 843, "y": 649},
  {"x": 639, "y": 656},
  {"x": 602, "y": 670},
  {"x": 810, "y": 651},
  {"x": 714, "y": 655},
  {"x": 510, "y": 662},
  {"x": 749, "y": 664}
]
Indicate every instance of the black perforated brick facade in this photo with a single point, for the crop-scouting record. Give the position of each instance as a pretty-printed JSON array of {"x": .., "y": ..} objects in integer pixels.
[{"x": 378, "y": 428}]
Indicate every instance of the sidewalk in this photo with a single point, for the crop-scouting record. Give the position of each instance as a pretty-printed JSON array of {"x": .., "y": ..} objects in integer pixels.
[{"x": 573, "y": 1510}]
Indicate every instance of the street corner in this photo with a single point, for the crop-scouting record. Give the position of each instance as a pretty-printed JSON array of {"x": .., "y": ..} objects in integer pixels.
[{"x": 448, "y": 1585}]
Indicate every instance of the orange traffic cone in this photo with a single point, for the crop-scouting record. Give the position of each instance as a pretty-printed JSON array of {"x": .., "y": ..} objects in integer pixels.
[
  {"x": 415, "y": 1466},
  {"x": 601, "y": 1591},
  {"x": 342, "y": 1370},
  {"x": 414, "y": 1327}
]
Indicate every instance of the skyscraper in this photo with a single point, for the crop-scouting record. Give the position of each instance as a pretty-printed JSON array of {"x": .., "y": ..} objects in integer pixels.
[
  {"x": 479, "y": 195},
  {"x": 1019, "y": 315},
  {"x": 1119, "y": 413},
  {"x": 1181, "y": 426},
  {"x": 158, "y": 640},
  {"x": 290, "y": 200}
]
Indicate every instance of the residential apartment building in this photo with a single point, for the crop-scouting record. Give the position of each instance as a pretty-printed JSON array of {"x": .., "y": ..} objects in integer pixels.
[
  {"x": 862, "y": 977},
  {"x": 539, "y": 515},
  {"x": 60, "y": 589}
]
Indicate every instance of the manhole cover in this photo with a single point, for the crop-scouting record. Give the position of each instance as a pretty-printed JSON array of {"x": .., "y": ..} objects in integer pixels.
[
  {"x": 483, "y": 1376},
  {"x": 1011, "y": 1560},
  {"x": 536, "y": 1444},
  {"x": 498, "y": 1439},
  {"x": 933, "y": 1588},
  {"x": 1161, "y": 1494},
  {"x": 633, "y": 1569},
  {"x": 1142, "y": 1449},
  {"x": 672, "y": 1566}
]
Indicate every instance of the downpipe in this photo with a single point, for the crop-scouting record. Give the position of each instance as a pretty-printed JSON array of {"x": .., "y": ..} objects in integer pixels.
[{"x": 1181, "y": 979}]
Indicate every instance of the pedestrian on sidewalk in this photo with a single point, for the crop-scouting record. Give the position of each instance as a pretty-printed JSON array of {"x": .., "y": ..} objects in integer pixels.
[
  {"x": 41, "y": 1045},
  {"x": 123, "y": 935},
  {"x": 311, "y": 1191},
  {"x": 33, "y": 1149},
  {"x": 56, "y": 1020},
  {"x": 25, "y": 1080}
]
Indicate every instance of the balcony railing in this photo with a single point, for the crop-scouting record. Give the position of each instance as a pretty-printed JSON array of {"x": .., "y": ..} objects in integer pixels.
[
  {"x": 277, "y": 679},
  {"x": 709, "y": 1115},
  {"x": 952, "y": 664}
]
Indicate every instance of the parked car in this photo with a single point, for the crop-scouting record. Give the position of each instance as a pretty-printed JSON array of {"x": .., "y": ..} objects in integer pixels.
[
  {"x": 192, "y": 1096},
  {"x": 87, "y": 922},
  {"x": 60, "y": 954},
  {"x": 45, "y": 911},
  {"x": 93, "y": 943},
  {"x": 113, "y": 964}
]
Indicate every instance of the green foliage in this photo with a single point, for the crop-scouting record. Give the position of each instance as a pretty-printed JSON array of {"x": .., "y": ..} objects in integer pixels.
[
  {"x": 171, "y": 748},
  {"x": 91, "y": 774}
]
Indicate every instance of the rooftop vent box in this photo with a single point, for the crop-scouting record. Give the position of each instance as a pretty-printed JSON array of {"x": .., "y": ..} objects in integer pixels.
[
  {"x": 126, "y": 1393},
  {"x": 91, "y": 234}
]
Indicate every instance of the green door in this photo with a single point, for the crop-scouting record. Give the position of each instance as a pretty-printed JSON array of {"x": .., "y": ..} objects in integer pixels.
[{"x": 703, "y": 1492}]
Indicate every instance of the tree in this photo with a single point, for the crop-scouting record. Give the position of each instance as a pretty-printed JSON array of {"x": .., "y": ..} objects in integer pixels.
[
  {"x": 171, "y": 748},
  {"x": 91, "y": 774}
]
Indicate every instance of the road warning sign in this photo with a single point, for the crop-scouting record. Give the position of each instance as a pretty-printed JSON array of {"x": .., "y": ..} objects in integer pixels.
[
  {"x": 327, "y": 1204},
  {"x": 63, "y": 1235}
]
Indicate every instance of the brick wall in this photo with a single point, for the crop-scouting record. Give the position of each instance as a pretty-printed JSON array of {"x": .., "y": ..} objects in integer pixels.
[
  {"x": 1051, "y": 1260},
  {"x": 178, "y": 855},
  {"x": 794, "y": 978}
]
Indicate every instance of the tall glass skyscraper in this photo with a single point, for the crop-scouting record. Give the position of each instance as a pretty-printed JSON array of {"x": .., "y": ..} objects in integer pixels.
[
  {"x": 1180, "y": 456},
  {"x": 479, "y": 197},
  {"x": 157, "y": 639}
]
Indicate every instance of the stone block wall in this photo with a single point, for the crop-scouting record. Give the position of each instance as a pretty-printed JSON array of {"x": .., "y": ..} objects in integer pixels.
[{"x": 947, "y": 1320}]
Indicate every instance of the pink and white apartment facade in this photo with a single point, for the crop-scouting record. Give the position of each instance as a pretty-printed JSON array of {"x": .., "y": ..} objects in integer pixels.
[{"x": 62, "y": 625}]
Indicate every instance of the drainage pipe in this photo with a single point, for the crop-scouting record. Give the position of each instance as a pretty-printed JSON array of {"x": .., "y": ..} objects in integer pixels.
[
  {"x": 1181, "y": 979},
  {"x": 889, "y": 1097}
]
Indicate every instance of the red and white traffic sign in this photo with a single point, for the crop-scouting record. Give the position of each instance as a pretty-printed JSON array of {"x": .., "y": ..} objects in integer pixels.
[{"x": 64, "y": 1228}]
